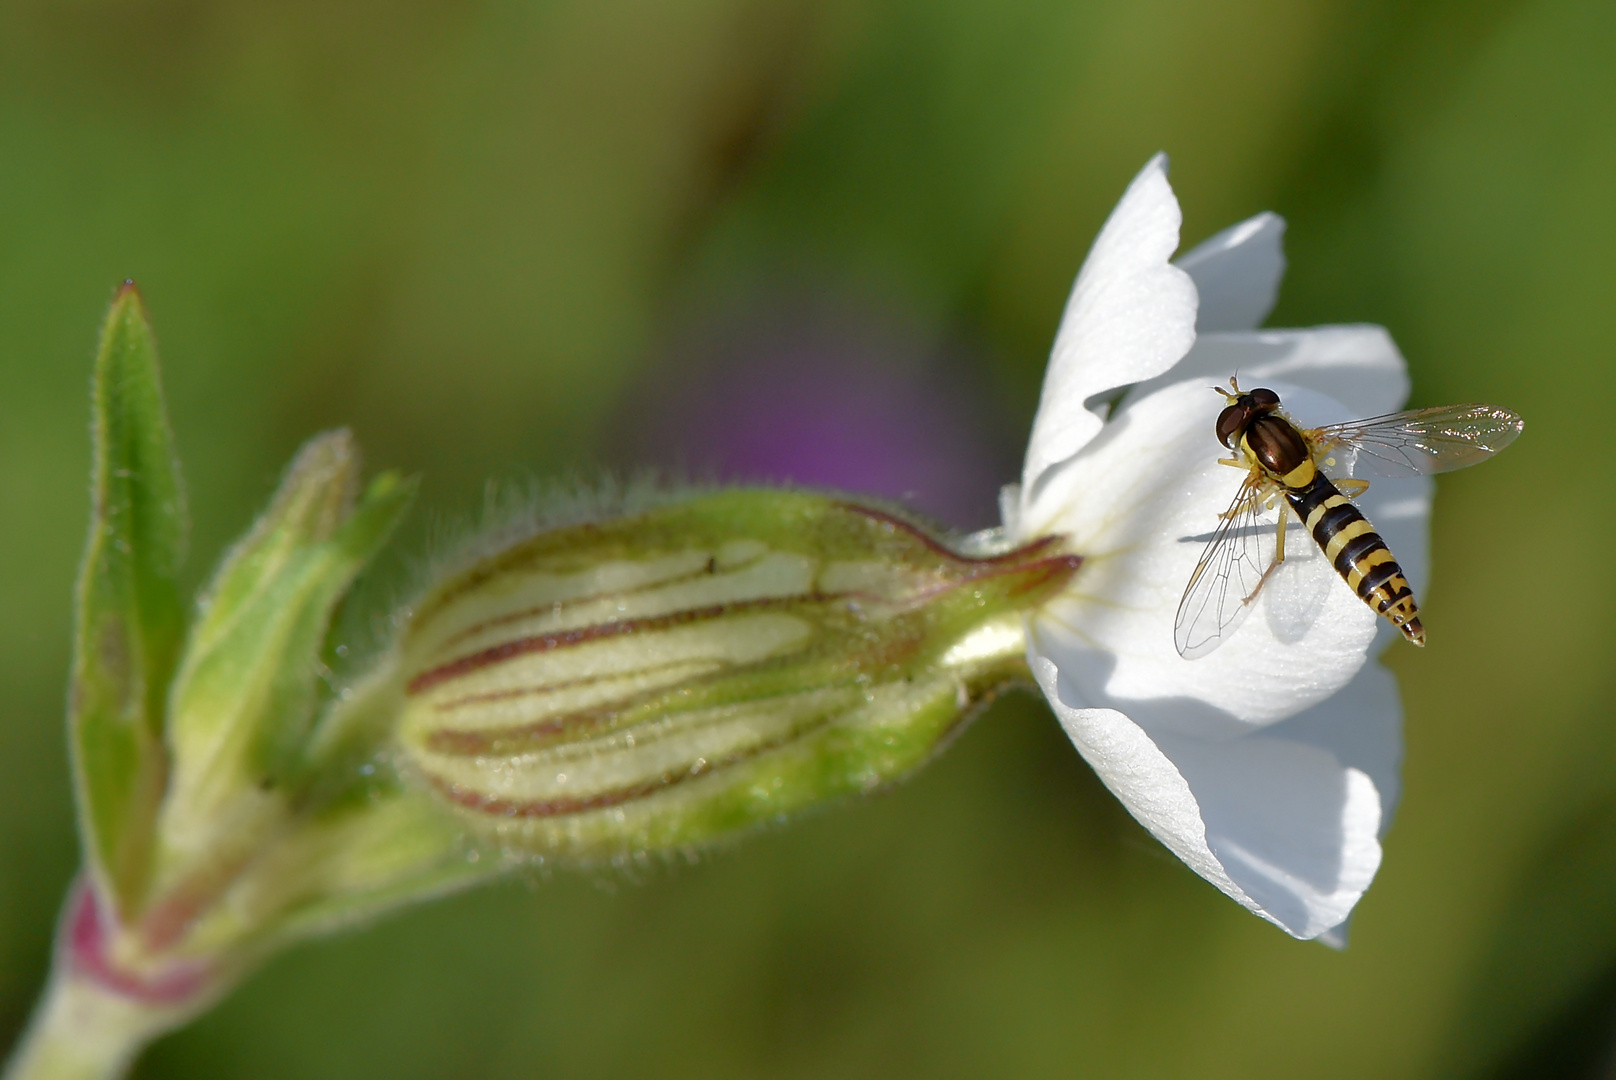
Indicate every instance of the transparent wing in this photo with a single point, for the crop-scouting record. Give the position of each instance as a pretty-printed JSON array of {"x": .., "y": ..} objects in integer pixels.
[
  {"x": 1226, "y": 580},
  {"x": 1417, "y": 442}
]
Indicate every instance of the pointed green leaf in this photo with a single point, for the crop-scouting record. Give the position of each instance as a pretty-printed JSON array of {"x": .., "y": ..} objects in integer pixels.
[{"x": 129, "y": 618}]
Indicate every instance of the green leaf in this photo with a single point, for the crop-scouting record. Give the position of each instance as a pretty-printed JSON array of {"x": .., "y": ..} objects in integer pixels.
[{"x": 129, "y": 617}]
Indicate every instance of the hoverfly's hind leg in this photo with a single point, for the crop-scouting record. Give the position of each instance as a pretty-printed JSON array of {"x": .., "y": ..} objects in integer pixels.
[
  {"x": 1279, "y": 538},
  {"x": 1350, "y": 487},
  {"x": 1279, "y": 552}
]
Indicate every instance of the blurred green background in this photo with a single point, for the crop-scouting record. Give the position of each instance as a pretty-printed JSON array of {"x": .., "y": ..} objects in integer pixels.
[{"x": 511, "y": 239}]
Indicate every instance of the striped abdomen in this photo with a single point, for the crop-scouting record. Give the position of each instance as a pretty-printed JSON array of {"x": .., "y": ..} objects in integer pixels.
[{"x": 1358, "y": 553}]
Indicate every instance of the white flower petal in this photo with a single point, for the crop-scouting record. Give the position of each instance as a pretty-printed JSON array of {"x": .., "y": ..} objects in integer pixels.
[
  {"x": 1295, "y": 829},
  {"x": 1336, "y": 936},
  {"x": 1286, "y": 821},
  {"x": 1135, "y": 770},
  {"x": 1237, "y": 273},
  {"x": 1358, "y": 365},
  {"x": 1139, "y": 504},
  {"x": 1131, "y": 316},
  {"x": 1363, "y": 727}
]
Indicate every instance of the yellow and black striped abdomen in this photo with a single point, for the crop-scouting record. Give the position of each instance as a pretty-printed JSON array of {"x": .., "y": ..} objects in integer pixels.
[{"x": 1358, "y": 553}]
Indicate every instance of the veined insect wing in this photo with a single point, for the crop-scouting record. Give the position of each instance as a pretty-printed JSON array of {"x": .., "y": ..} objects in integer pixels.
[
  {"x": 1233, "y": 566},
  {"x": 1417, "y": 442}
]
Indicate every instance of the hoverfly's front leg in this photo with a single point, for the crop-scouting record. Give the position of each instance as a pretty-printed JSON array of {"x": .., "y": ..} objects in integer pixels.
[
  {"x": 1257, "y": 497},
  {"x": 1263, "y": 496}
]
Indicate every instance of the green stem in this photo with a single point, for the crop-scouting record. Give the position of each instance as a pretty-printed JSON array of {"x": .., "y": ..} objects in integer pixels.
[
  {"x": 84, "y": 1031},
  {"x": 97, "y": 1013}
]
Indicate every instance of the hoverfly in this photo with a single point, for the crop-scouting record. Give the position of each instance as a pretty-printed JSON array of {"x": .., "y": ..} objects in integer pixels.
[{"x": 1283, "y": 464}]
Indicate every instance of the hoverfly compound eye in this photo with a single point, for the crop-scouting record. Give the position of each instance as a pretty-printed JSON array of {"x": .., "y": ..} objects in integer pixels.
[
  {"x": 1230, "y": 421},
  {"x": 1264, "y": 398}
]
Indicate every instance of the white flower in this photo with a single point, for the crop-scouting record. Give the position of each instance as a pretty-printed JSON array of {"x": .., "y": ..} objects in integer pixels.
[{"x": 1271, "y": 766}]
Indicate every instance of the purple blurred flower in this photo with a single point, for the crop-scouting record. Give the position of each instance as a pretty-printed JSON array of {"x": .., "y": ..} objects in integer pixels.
[{"x": 824, "y": 395}]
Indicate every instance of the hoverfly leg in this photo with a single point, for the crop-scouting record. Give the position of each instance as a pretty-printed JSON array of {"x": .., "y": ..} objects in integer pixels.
[
  {"x": 1279, "y": 554},
  {"x": 1351, "y": 488},
  {"x": 1261, "y": 497},
  {"x": 1268, "y": 573}
]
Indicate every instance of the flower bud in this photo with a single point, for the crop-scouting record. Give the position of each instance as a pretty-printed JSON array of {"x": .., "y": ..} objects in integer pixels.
[
  {"x": 664, "y": 679},
  {"x": 246, "y": 693}
]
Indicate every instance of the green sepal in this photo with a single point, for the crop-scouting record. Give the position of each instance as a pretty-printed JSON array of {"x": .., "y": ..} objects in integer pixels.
[
  {"x": 673, "y": 677},
  {"x": 129, "y": 614},
  {"x": 248, "y": 692}
]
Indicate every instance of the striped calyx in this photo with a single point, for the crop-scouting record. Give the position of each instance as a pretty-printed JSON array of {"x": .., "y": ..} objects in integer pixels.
[{"x": 668, "y": 678}]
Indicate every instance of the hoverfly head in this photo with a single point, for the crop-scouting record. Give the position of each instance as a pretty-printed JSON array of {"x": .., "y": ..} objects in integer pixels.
[
  {"x": 1232, "y": 421},
  {"x": 1263, "y": 399},
  {"x": 1242, "y": 409}
]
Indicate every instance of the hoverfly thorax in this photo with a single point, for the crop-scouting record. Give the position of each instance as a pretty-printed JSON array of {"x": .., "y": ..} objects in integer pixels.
[{"x": 1276, "y": 444}]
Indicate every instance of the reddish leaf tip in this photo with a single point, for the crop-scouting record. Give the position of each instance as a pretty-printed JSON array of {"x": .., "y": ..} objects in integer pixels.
[{"x": 129, "y": 293}]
